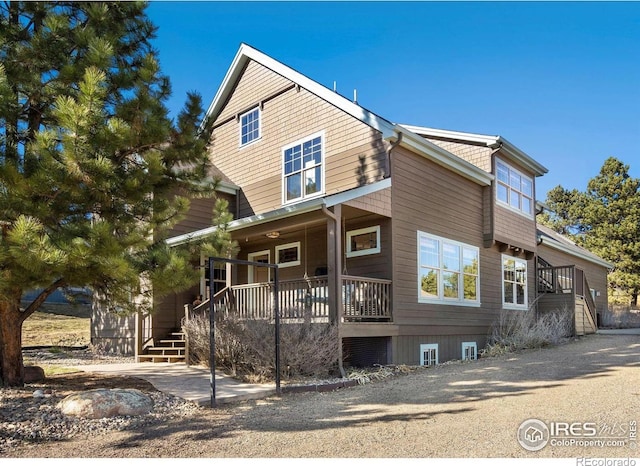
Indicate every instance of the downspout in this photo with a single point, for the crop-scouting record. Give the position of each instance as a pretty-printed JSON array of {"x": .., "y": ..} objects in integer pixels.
[
  {"x": 333, "y": 217},
  {"x": 393, "y": 146}
]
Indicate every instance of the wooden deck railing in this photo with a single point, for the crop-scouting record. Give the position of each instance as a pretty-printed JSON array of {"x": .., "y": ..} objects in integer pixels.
[
  {"x": 556, "y": 279},
  {"x": 363, "y": 299}
]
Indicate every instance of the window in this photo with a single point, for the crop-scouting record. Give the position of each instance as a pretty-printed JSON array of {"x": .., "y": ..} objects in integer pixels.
[
  {"x": 288, "y": 255},
  {"x": 448, "y": 271},
  {"x": 250, "y": 126},
  {"x": 303, "y": 169},
  {"x": 514, "y": 282},
  {"x": 363, "y": 241},
  {"x": 514, "y": 189},
  {"x": 469, "y": 351},
  {"x": 429, "y": 354}
]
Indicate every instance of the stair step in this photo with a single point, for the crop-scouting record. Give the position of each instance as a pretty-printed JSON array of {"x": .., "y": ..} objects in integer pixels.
[
  {"x": 165, "y": 351},
  {"x": 172, "y": 343},
  {"x": 160, "y": 358}
]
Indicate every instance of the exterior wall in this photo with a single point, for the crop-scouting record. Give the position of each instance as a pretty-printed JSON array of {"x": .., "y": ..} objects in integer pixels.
[
  {"x": 478, "y": 155},
  {"x": 354, "y": 153},
  {"x": 378, "y": 202},
  {"x": 373, "y": 265},
  {"x": 510, "y": 226},
  {"x": 429, "y": 198},
  {"x": 596, "y": 275},
  {"x": 200, "y": 214},
  {"x": 112, "y": 333}
]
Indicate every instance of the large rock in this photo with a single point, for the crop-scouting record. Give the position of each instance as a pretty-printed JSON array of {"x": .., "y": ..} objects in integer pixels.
[
  {"x": 33, "y": 374},
  {"x": 102, "y": 402}
]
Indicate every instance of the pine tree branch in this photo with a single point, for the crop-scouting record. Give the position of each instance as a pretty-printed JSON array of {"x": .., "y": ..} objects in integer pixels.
[{"x": 42, "y": 297}]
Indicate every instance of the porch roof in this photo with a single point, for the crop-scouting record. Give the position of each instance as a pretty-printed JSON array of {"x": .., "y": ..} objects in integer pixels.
[
  {"x": 284, "y": 212},
  {"x": 557, "y": 241}
]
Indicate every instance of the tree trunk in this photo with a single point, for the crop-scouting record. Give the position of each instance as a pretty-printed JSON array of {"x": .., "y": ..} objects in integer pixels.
[
  {"x": 12, "y": 365},
  {"x": 634, "y": 299}
]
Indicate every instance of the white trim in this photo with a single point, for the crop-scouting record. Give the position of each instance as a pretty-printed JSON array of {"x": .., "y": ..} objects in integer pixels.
[
  {"x": 288, "y": 246},
  {"x": 512, "y": 305},
  {"x": 440, "y": 299},
  {"x": 257, "y": 138},
  {"x": 250, "y": 258},
  {"x": 443, "y": 157},
  {"x": 426, "y": 347},
  {"x": 470, "y": 344},
  {"x": 493, "y": 142},
  {"x": 568, "y": 250},
  {"x": 363, "y": 252},
  {"x": 300, "y": 142},
  {"x": 246, "y": 53}
]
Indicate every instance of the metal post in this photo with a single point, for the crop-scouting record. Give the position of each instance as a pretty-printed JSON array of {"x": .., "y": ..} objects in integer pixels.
[
  {"x": 212, "y": 340},
  {"x": 276, "y": 308}
]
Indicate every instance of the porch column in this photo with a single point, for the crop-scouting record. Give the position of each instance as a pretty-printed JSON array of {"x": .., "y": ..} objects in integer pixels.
[{"x": 334, "y": 263}]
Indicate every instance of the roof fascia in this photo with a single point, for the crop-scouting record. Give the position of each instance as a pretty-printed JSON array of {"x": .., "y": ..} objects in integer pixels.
[
  {"x": 493, "y": 142},
  {"x": 437, "y": 154},
  {"x": 561, "y": 247},
  {"x": 246, "y": 53}
]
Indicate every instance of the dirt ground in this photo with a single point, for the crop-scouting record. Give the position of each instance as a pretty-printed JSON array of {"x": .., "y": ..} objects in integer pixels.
[{"x": 471, "y": 409}]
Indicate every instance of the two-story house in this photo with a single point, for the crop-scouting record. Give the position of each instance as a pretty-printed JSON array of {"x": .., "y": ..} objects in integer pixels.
[{"x": 411, "y": 239}]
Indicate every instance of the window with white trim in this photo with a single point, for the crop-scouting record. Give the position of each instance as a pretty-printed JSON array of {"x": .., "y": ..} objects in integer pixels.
[
  {"x": 288, "y": 255},
  {"x": 469, "y": 351},
  {"x": 250, "y": 126},
  {"x": 303, "y": 169},
  {"x": 363, "y": 242},
  {"x": 514, "y": 282},
  {"x": 429, "y": 354},
  {"x": 448, "y": 271},
  {"x": 514, "y": 189}
]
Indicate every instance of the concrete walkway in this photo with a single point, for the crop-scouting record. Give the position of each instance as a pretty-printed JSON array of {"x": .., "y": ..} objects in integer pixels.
[
  {"x": 619, "y": 331},
  {"x": 188, "y": 382}
]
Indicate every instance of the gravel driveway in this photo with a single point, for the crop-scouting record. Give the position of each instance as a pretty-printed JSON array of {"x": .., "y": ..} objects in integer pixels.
[{"x": 469, "y": 409}]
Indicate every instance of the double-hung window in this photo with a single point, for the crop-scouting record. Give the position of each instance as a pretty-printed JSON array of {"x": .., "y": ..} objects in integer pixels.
[
  {"x": 514, "y": 282},
  {"x": 514, "y": 189},
  {"x": 448, "y": 271},
  {"x": 250, "y": 126},
  {"x": 303, "y": 168}
]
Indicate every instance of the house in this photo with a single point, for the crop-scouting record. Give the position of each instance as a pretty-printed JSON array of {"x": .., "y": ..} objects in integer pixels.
[{"x": 411, "y": 239}]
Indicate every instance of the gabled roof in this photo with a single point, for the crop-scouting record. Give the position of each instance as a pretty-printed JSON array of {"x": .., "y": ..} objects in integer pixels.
[
  {"x": 390, "y": 131},
  {"x": 555, "y": 240},
  {"x": 492, "y": 142}
]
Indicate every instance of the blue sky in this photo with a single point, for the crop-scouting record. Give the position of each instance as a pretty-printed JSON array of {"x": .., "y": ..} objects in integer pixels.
[{"x": 559, "y": 80}]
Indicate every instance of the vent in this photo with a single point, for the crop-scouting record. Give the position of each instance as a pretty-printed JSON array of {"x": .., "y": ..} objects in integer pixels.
[
  {"x": 429, "y": 354},
  {"x": 469, "y": 351}
]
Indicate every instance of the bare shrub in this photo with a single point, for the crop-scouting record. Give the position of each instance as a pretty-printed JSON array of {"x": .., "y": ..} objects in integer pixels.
[
  {"x": 515, "y": 330},
  {"x": 246, "y": 348},
  {"x": 619, "y": 316}
]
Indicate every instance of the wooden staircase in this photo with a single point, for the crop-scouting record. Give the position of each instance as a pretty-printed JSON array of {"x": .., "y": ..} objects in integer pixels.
[{"x": 171, "y": 349}]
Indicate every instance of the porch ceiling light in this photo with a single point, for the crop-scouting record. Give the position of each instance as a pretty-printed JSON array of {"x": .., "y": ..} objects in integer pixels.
[{"x": 273, "y": 235}]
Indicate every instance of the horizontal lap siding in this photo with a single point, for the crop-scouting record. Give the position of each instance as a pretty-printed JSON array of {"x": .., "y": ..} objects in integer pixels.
[
  {"x": 515, "y": 229},
  {"x": 200, "y": 215},
  {"x": 354, "y": 152},
  {"x": 373, "y": 265},
  {"x": 429, "y": 198}
]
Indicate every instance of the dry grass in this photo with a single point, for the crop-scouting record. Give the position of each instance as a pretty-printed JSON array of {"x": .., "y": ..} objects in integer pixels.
[{"x": 45, "y": 329}]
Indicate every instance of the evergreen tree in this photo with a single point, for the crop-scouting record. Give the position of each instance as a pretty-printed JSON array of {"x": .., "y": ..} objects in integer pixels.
[
  {"x": 605, "y": 219},
  {"x": 93, "y": 173}
]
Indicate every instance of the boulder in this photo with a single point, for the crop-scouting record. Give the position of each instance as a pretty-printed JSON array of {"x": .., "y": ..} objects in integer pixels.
[
  {"x": 102, "y": 402},
  {"x": 33, "y": 374}
]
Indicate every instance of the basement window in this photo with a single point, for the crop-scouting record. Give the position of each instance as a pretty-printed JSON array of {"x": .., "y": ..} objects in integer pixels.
[
  {"x": 429, "y": 354},
  {"x": 469, "y": 351}
]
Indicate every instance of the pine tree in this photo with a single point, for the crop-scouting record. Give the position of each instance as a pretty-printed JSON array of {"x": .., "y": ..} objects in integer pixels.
[
  {"x": 605, "y": 219},
  {"x": 93, "y": 173}
]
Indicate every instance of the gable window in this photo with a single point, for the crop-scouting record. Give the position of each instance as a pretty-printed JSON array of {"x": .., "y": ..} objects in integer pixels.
[
  {"x": 514, "y": 189},
  {"x": 303, "y": 169},
  {"x": 514, "y": 282},
  {"x": 250, "y": 126},
  {"x": 288, "y": 255},
  {"x": 363, "y": 242},
  {"x": 448, "y": 271}
]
